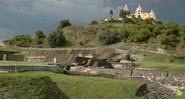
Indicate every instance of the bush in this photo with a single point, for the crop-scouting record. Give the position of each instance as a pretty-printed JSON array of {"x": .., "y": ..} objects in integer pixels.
[
  {"x": 93, "y": 23},
  {"x": 63, "y": 24},
  {"x": 110, "y": 38},
  {"x": 57, "y": 39},
  {"x": 140, "y": 35},
  {"x": 40, "y": 37},
  {"x": 182, "y": 41},
  {"x": 167, "y": 41},
  {"x": 21, "y": 41}
]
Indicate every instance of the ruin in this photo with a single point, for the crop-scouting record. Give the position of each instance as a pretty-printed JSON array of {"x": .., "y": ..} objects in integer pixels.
[
  {"x": 154, "y": 90},
  {"x": 109, "y": 62}
]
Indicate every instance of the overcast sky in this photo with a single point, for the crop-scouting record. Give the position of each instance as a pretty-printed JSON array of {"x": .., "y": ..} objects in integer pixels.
[{"x": 27, "y": 16}]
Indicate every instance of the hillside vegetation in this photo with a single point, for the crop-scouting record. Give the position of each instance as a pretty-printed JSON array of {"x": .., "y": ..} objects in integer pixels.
[{"x": 165, "y": 35}]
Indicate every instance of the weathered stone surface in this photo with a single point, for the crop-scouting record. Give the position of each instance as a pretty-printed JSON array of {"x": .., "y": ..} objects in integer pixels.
[
  {"x": 154, "y": 90},
  {"x": 161, "y": 51},
  {"x": 137, "y": 57},
  {"x": 124, "y": 64},
  {"x": 90, "y": 71},
  {"x": 82, "y": 69}
]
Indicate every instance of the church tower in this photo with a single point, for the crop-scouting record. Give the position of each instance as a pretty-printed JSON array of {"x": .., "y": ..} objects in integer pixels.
[
  {"x": 139, "y": 11},
  {"x": 153, "y": 15},
  {"x": 126, "y": 8}
]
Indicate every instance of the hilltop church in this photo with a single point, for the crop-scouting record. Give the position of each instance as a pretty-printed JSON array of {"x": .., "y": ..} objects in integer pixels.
[{"x": 140, "y": 13}]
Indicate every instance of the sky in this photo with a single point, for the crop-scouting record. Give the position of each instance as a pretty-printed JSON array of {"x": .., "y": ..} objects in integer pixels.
[{"x": 27, "y": 16}]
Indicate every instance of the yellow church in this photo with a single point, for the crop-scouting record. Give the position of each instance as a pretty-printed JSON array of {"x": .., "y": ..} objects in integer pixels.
[{"x": 140, "y": 13}]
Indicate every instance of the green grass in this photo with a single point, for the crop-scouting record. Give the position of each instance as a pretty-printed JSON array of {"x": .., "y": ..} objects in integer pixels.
[
  {"x": 32, "y": 88},
  {"x": 71, "y": 87},
  {"x": 164, "y": 66},
  {"x": 84, "y": 87},
  {"x": 14, "y": 63},
  {"x": 180, "y": 97},
  {"x": 162, "y": 62}
]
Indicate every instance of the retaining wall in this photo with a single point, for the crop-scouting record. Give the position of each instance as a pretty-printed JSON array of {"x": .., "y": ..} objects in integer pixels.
[
  {"x": 64, "y": 55},
  {"x": 134, "y": 73},
  {"x": 29, "y": 68}
]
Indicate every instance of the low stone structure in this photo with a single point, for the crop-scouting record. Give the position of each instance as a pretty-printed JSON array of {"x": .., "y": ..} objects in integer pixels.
[
  {"x": 10, "y": 56},
  {"x": 83, "y": 61},
  {"x": 29, "y": 68},
  {"x": 154, "y": 90},
  {"x": 35, "y": 58},
  {"x": 82, "y": 69}
]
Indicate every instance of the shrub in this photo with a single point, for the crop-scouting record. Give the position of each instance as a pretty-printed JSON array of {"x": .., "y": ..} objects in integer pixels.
[
  {"x": 182, "y": 41},
  {"x": 167, "y": 41},
  {"x": 63, "y": 24},
  {"x": 57, "y": 39},
  {"x": 108, "y": 38},
  {"x": 140, "y": 35},
  {"x": 93, "y": 23},
  {"x": 40, "y": 37},
  {"x": 21, "y": 41}
]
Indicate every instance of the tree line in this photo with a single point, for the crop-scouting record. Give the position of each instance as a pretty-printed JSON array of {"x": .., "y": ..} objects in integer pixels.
[{"x": 41, "y": 39}]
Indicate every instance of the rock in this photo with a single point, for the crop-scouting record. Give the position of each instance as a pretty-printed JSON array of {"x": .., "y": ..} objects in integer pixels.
[
  {"x": 82, "y": 69},
  {"x": 102, "y": 63},
  {"x": 137, "y": 57},
  {"x": 118, "y": 66},
  {"x": 161, "y": 51},
  {"x": 90, "y": 71},
  {"x": 76, "y": 68},
  {"x": 125, "y": 62},
  {"x": 154, "y": 90}
]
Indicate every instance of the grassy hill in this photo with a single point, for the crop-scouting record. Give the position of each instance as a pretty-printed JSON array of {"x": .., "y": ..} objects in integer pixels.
[
  {"x": 166, "y": 35},
  {"x": 21, "y": 85}
]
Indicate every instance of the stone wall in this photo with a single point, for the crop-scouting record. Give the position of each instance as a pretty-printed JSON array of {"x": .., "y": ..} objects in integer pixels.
[
  {"x": 65, "y": 55},
  {"x": 132, "y": 73},
  {"x": 15, "y": 58},
  {"x": 158, "y": 74},
  {"x": 29, "y": 68}
]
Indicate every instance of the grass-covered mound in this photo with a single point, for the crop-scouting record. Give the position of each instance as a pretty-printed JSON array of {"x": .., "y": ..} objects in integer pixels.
[
  {"x": 30, "y": 84},
  {"x": 164, "y": 35},
  {"x": 30, "y": 88}
]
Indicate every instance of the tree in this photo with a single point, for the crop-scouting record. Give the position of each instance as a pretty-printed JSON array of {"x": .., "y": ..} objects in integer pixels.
[
  {"x": 63, "y": 24},
  {"x": 123, "y": 14},
  {"x": 21, "y": 41},
  {"x": 57, "y": 39},
  {"x": 40, "y": 37},
  {"x": 40, "y": 34},
  {"x": 111, "y": 13},
  {"x": 93, "y": 23}
]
